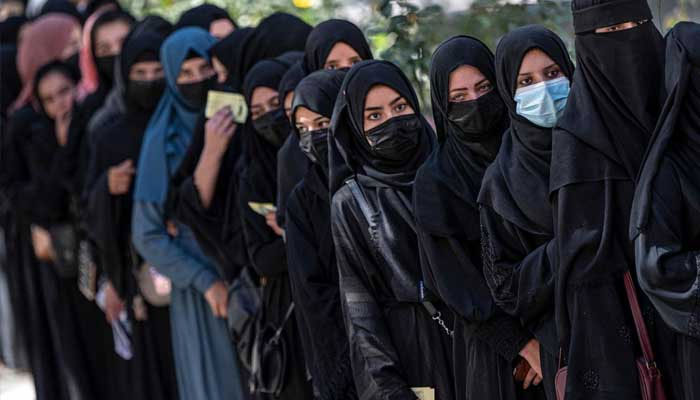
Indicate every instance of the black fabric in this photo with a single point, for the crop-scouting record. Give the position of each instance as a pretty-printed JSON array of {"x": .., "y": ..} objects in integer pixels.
[
  {"x": 202, "y": 16},
  {"x": 106, "y": 75},
  {"x": 61, "y": 7},
  {"x": 229, "y": 51},
  {"x": 9, "y": 29},
  {"x": 348, "y": 133},
  {"x": 665, "y": 207},
  {"x": 11, "y": 82},
  {"x": 326, "y": 35},
  {"x": 597, "y": 159},
  {"x": 274, "y": 36},
  {"x": 525, "y": 153},
  {"x": 606, "y": 14}
]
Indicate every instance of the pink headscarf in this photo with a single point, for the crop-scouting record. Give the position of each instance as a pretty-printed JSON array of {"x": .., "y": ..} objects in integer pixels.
[
  {"x": 90, "y": 78},
  {"x": 42, "y": 41}
]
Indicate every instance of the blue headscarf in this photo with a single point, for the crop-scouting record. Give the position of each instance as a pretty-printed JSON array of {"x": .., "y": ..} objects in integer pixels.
[{"x": 170, "y": 129}]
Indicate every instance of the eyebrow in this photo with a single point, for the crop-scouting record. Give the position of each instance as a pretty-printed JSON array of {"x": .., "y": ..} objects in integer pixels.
[
  {"x": 380, "y": 108},
  {"x": 547, "y": 67},
  {"x": 466, "y": 88},
  {"x": 320, "y": 117}
]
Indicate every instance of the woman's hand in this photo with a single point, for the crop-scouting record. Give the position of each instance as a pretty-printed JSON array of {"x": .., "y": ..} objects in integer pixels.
[
  {"x": 531, "y": 354},
  {"x": 218, "y": 132},
  {"x": 120, "y": 176},
  {"x": 41, "y": 241},
  {"x": 271, "y": 220},
  {"x": 113, "y": 303},
  {"x": 217, "y": 297}
]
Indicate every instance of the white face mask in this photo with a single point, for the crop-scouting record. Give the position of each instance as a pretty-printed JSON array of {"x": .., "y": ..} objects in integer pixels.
[{"x": 543, "y": 103}]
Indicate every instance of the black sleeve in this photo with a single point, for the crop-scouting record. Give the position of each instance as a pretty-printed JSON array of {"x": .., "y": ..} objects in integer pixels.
[{"x": 667, "y": 254}]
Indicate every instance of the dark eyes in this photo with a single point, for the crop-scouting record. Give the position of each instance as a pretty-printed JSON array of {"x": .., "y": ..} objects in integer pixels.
[
  {"x": 302, "y": 129},
  {"x": 401, "y": 107},
  {"x": 525, "y": 82},
  {"x": 374, "y": 116},
  {"x": 553, "y": 73}
]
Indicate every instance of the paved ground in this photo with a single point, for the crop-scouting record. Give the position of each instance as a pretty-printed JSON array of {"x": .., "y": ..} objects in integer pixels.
[{"x": 15, "y": 385}]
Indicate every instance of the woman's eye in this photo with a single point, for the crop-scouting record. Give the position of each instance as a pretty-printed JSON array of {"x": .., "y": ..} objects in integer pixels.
[
  {"x": 323, "y": 124},
  {"x": 374, "y": 116},
  {"x": 400, "y": 107},
  {"x": 302, "y": 129},
  {"x": 457, "y": 97},
  {"x": 553, "y": 74},
  {"x": 331, "y": 66},
  {"x": 485, "y": 88},
  {"x": 525, "y": 82}
]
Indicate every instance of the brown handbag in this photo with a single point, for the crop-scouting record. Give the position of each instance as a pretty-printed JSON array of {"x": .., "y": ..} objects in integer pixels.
[{"x": 650, "y": 383}]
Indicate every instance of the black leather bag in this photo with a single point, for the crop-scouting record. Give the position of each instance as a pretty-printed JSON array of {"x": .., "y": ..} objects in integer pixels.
[
  {"x": 244, "y": 304},
  {"x": 270, "y": 355}
]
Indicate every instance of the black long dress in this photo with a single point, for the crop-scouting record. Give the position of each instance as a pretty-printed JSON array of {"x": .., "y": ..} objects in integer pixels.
[
  {"x": 395, "y": 344},
  {"x": 597, "y": 150},
  {"x": 267, "y": 252},
  {"x": 313, "y": 270},
  {"x": 487, "y": 340},
  {"x": 665, "y": 216},
  {"x": 150, "y": 373}
]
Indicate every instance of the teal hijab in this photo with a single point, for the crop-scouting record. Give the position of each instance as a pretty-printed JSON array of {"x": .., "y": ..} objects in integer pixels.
[{"x": 170, "y": 129}]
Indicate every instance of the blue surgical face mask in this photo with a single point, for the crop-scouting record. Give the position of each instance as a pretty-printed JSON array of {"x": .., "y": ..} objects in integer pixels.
[{"x": 543, "y": 103}]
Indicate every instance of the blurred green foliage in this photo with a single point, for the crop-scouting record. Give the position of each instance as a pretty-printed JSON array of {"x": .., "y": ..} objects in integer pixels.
[{"x": 407, "y": 33}]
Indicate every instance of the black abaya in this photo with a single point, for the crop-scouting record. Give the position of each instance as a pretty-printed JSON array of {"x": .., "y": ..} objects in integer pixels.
[
  {"x": 394, "y": 343},
  {"x": 665, "y": 217},
  {"x": 487, "y": 340}
]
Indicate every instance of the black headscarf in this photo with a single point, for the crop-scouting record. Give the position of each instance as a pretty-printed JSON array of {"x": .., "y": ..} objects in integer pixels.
[
  {"x": 290, "y": 80},
  {"x": 450, "y": 180},
  {"x": 202, "y": 16},
  {"x": 260, "y": 155},
  {"x": 615, "y": 98},
  {"x": 677, "y": 135},
  {"x": 325, "y": 35},
  {"x": 274, "y": 36},
  {"x": 9, "y": 29},
  {"x": 54, "y": 66},
  {"x": 11, "y": 82},
  {"x": 516, "y": 185},
  {"x": 229, "y": 51},
  {"x": 348, "y": 137},
  {"x": 106, "y": 18},
  {"x": 61, "y": 7}
]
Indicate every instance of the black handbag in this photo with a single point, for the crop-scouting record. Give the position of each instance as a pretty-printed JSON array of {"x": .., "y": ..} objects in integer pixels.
[
  {"x": 244, "y": 304},
  {"x": 270, "y": 355},
  {"x": 64, "y": 239}
]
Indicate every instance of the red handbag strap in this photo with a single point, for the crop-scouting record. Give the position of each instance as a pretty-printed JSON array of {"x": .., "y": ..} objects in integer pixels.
[{"x": 642, "y": 333}]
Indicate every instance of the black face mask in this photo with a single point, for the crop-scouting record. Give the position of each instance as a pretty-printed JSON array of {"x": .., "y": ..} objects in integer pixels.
[
  {"x": 395, "y": 139},
  {"x": 273, "y": 126},
  {"x": 106, "y": 66},
  {"x": 315, "y": 145},
  {"x": 476, "y": 119},
  {"x": 145, "y": 94},
  {"x": 74, "y": 62},
  {"x": 195, "y": 93}
]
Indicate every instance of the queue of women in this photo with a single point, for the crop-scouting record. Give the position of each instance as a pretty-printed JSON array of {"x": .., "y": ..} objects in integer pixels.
[{"x": 539, "y": 240}]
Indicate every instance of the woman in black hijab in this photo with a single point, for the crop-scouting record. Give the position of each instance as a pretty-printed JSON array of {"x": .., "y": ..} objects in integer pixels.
[
  {"x": 150, "y": 373},
  {"x": 515, "y": 215},
  {"x": 226, "y": 53},
  {"x": 263, "y": 238},
  {"x": 292, "y": 164},
  {"x": 335, "y": 44},
  {"x": 470, "y": 119},
  {"x": 597, "y": 151},
  {"x": 382, "y": 138},
  {"x": 665, "y": 215},
  {"x": 312, "y": 268},
  {"x": 209, "y": 17}
]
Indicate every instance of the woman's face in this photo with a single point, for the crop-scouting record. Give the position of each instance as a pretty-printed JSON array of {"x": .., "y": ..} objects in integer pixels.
[
  {"x": 57, "y": 94},
  {"x": 109, "y": 38},
  {"x": 309, "y": 121},
  {"x": 195, "y": 70},
  {"x": 263, "y": 100},
  {"x": 383, "y": 103},
  {"x": 537, "y": 67},
  {"x": 220, "y": 68},
  {"x": 221, "y": 28},
  {"x": 288, "y": 99},
  {"x": 146, "y": 71},
  {"x": 467, "y": 83},
  {"x": 74, "y": 44},
  {"x": 341, "y": 56}
]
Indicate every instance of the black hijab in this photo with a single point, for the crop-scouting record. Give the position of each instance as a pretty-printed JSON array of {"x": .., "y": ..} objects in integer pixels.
[
  {"x": 61, "y": 7},
  {"x": 677, "y": 135},
  {"x": 349, "y": 142},
  {"x": 261, "y": 156},
  {"x": 516, "y": 185},
  {"x": 11, "y": 82},
  {"x": 106, "y": 80},
  {"x": 9, "y": 29},
  {"x": 450, "y": 180},
  {"x": 290, "y": 80},
  {"x": 325, "y": 35},
  {"x": 615, "y": 98},
  {"x": 229, "y": 51},
  {"x": 202, "y": 16},
  {"x": 274, "y": 36}
]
